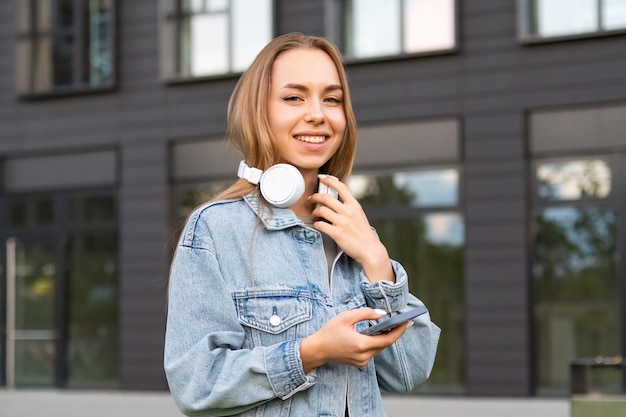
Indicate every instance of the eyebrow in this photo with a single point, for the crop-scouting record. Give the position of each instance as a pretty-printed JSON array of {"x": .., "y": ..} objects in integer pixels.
[{"x": 300, "y": 87}]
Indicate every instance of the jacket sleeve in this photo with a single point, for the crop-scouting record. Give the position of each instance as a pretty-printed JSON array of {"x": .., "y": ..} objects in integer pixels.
[
  {"x": 208, "y": 371},
  {"x": 409, "y": 361}
]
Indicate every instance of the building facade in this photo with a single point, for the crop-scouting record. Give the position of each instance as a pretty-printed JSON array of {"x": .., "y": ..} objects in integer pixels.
[{"x": 491, "y": 160}]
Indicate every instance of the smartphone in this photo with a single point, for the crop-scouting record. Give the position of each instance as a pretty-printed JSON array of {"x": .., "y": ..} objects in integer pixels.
[
  {"x": 325, "y": 189},
  {"x": 394, "y": 321}
]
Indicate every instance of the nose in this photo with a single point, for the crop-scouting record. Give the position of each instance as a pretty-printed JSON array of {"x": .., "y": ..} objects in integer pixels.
[{"x": 314, "y": 112}]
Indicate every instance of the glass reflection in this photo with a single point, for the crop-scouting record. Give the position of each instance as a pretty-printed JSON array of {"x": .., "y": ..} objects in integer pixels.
[
  {"x": 445, "y": 229},
  {"x": 614, "y": 14},
  {"x": 249, "y": 37},
  {"x": 223, "y": 36},
  {"x": 201, "y": 6},
  {"x": 378, "y": 28},
  {"x": 430, "y": 247},
  {"x": 100, "y": 34},
  {"x": 433, "y": 259},
  {"x": 566, "y": 17},
  {"x": 34, "y": 363},
  {"x": 428, "y": 25},
  {"x": 92, "y": 209},
  {"x": 34, "y": 287},
  {"x": 205, "y": 43},
  {"x": 70, "y": 44},
  {"x": 64, "y": 14},
  {"x": 574, "y": 180},
  {"x": 374, "y": 28},
  {"x": 575, "y": 289},
  {"x": 63, "y": 61},
  {"x": 32, "y": 212},
  {"x": 92, "y": 345},
  {"x": 435, "y": 188},
  {"x": 35, "y": 282}
]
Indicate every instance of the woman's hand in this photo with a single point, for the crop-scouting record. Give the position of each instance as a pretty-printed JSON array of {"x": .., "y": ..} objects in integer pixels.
[
  {"x": 339, "y": 342},
  {"x": 348, "y": 226}
]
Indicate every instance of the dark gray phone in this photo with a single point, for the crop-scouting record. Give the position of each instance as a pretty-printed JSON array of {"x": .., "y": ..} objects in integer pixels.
[{"x": 394, "y": 321}]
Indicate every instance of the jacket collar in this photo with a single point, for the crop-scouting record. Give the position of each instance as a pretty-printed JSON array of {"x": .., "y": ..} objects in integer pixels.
[{"x": 273, "y": 218}]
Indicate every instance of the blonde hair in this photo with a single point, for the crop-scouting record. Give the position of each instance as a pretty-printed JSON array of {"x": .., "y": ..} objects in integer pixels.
[{"x": 248, "y": 123}]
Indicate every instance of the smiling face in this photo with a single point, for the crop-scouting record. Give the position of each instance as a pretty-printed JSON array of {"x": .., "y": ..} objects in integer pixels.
[{"x": 305, "y": 108}]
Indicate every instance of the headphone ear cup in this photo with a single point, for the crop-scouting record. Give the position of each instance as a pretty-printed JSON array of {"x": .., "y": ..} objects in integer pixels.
[{"x": 282, "y": 185}]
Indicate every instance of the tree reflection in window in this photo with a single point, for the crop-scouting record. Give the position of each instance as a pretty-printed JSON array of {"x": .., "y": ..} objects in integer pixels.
[
  {"x": 93, "y": 305},
  {"x": 423, "y": 189},
  {"x": 429, "y": 244},
  {"x": 573, "y": 180},
  {"x": 575, "y": 289}
]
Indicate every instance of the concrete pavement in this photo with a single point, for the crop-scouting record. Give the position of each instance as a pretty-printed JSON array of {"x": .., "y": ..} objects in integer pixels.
[{"x": 64, "y": 403}]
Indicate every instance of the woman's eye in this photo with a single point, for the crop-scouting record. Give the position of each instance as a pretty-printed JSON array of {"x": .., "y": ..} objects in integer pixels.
[
  {"x": 333, "y": 100},
  {"x": 292, "y": 98}
]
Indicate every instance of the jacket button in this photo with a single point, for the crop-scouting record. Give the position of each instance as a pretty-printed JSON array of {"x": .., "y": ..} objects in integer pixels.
[{"x": 275, "y": 320}]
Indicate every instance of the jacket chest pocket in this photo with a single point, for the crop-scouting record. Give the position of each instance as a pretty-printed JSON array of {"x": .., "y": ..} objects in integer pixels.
[{"x": 272, "y": 316}]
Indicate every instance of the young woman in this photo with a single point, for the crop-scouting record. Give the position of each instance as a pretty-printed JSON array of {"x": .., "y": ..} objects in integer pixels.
[{"x": 266, "y": 301}]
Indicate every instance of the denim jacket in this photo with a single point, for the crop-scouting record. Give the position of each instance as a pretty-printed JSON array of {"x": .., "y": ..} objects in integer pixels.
[{"x": 247, "y": 284}]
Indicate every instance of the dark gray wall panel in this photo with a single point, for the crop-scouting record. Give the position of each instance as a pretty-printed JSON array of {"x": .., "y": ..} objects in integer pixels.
[
  {"x": 300, "y": 16},
  {"x": 494, "y": 256},
  {"x": 143, "y": 293}
]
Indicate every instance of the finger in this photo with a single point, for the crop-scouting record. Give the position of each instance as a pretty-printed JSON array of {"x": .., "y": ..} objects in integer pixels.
[
  {"x": 325, "y": 200},
  {"x": 324, "y": 212},
  {"x": 361, "y": 314},
  {"x": 341, "y": 188}
]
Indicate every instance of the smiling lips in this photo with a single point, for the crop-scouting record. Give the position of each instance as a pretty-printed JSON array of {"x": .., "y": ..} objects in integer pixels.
[{"x": 311, "y": 139}]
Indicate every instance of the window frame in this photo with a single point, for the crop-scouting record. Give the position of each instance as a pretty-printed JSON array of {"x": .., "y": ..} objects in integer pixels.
[
  {"x": 337, "y": 15},
  {"x": 31, "y": 34},
  {"x": 527, "y": 26},
  {"x": 171, "y": 17}
]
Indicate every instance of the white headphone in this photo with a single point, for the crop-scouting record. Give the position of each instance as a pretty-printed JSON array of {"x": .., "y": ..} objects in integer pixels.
[{"x": 281, "y": 184}]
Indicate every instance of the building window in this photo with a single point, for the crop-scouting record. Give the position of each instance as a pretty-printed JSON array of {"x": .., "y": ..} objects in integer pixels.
[
  {"x": 417, "y": 216},
  {"x": 575, "y": 270},
  {"x": 213, "y": 37},
  {"x": 408, "y": 179},
  {"x": 65, "y": 46},
  {"x": 59, "y": 234},
  {"x": 553, "y": 19},
  {"x": 374, "y": 28}
]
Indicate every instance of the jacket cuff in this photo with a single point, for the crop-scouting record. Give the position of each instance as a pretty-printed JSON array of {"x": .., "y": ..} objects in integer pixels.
[
  {"x": 284, "y": 370},
  {"x": 386, "y": 295}
]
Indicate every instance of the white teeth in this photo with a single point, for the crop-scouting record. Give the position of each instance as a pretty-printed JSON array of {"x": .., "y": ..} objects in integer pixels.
[{"x": 311, "y": 139}]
